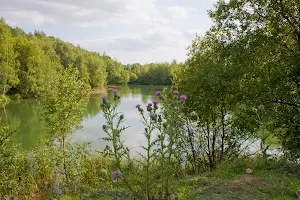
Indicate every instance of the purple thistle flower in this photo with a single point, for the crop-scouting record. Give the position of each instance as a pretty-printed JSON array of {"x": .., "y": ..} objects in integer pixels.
[
  {"x": 116, "y": 175},
  {"x": 149, "y": 104},
  {"x": 155, "y": 102},
  {"x": 176, "y": 92},
  {"x": 115, "y": 90},
  {"x": 138, "y": 106},
  {"x": 158, "y": 93},
  {"x": 103, "y": 97},
  {"x": 183, "y": 97}
]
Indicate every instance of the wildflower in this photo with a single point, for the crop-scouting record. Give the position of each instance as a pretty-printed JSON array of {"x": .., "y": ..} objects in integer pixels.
[
  {"x": 149, "y": 108},
  {"x": 183, "y": 97},
  {"x": 158, "y": 93},
  {"x": 121, "y": 117},
  {"x": 155, "y": 102},
  {"x": 103, "y": 97},
  {"x": 116, "y": 97},
  {"x": 116, "y": 175},
  {"x": 176, "y": 92},
  {"x": 138, "y": 106}
]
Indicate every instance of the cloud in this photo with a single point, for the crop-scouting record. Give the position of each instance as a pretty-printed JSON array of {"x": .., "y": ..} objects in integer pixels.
[
  {"x": 178, "y": 12},
  {"x": 129, "y": 30},
  {"x": 77, "y": 12},
  {"x": 153, "y": 45}
]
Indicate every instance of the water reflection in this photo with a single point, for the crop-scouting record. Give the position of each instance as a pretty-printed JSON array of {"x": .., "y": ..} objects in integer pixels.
[
  {"x": 130, "y": 96},
  {"x": 25, "y": 117}
]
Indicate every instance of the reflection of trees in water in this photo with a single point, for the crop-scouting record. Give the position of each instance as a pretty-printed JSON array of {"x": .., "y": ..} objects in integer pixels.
[
  {"x": 25, "y": 118},
  {"x": 145, "y": 99},
  {"x": 124, "y": 90},
  {"x": 93, "y": 106}
]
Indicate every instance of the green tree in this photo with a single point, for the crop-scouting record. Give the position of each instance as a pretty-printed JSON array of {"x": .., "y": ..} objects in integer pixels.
[
  {"x": 64, "y": 109},
  {"x": 266, "y": 35},
  {"x": 8, "y": 63}
]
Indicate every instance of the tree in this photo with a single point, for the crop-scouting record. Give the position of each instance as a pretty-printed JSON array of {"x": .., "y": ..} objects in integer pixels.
[
  {"x": 64, "y": 109},
  {"x": 8, "y": 62},
  {"x": 266, "y": 35}
]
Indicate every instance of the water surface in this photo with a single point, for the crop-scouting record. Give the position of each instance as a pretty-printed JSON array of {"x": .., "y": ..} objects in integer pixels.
[{"x": 25, "y": 117}]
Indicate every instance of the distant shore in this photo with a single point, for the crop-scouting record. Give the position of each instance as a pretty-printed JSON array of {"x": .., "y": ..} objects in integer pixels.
[{"x": 102, "y": 90}]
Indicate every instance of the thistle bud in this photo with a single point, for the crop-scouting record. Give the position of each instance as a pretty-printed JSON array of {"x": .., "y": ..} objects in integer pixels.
[{"x": 149, "y": 108}]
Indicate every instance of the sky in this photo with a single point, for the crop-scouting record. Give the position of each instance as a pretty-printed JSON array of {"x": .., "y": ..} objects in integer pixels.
[{"x": 130, "y": 31}]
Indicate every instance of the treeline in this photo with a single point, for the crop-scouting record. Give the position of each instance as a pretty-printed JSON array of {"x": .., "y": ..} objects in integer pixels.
[
  {"x": 30, "y": 62},
  {"x": 243, "y": 77}
]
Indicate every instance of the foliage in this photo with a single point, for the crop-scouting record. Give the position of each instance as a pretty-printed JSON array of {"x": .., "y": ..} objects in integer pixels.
[
  {"x": 153, "y": 73},
  {"x": 242, "y": 82},
  {"x": 272, "y": 179},
  {"x": 248, "y": 59},
  {"x": 63, "y": 115},
  {"x": 162, "y": 132},
  {"x": 29, "y": 62}
]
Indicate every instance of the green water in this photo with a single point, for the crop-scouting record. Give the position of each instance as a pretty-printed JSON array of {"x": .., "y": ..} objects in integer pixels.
[{"x": 25, "y": 118}]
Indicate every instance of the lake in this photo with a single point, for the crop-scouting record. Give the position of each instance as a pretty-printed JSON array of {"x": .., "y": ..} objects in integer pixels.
[{"x": 25, "y": 117}]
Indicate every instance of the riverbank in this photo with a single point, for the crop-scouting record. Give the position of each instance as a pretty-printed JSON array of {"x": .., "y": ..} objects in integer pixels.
[
  {"x": 108, "y": 88},
  {"x": 271, "y": 180},
  {"x": 102, "y": 90}
]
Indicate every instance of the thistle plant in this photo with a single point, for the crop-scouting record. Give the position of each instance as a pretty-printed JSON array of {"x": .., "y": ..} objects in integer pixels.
[
  {"x": 167, "y": 124},
  {"x": 116, "y": 148},
  {"x": 173, "y": 123},
  {"x": 149, "y": 120},
  {"x": 113, "y": 128}
]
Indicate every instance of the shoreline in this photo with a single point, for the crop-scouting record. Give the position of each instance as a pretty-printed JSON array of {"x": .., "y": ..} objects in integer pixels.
[{"x": 102, "y": 90}]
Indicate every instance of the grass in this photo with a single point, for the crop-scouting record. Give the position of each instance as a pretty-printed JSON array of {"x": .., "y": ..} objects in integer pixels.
[{"x": 271, "y": 180}]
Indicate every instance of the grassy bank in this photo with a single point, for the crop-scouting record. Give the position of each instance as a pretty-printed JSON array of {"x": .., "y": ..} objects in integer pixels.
[{"x": 274, "y": 180}]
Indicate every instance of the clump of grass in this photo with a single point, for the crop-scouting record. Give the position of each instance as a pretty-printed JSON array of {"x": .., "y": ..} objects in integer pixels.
[{"x": 272, "y": 179}]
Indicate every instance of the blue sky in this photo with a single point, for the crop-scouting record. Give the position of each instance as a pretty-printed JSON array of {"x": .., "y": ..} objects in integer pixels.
[{"x": 127, "y": 30}]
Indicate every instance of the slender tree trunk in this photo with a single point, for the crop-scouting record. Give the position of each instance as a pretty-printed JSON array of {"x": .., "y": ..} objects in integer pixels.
[
  {"x": 5, "y": 113},
  {"x": 223, "y": 133},
  {"x": 208, "y": 146},
  {"x": 4, "y": 90},
  {"x": 64, "y": 157},
  {"x": 213, "y": 154},
  {"x": 191, "y": 143}
]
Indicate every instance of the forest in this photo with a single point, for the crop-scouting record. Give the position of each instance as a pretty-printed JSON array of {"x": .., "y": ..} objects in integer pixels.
[
  {"x": 29, "y": 62},
  {"x": 239, "y": 84}
]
